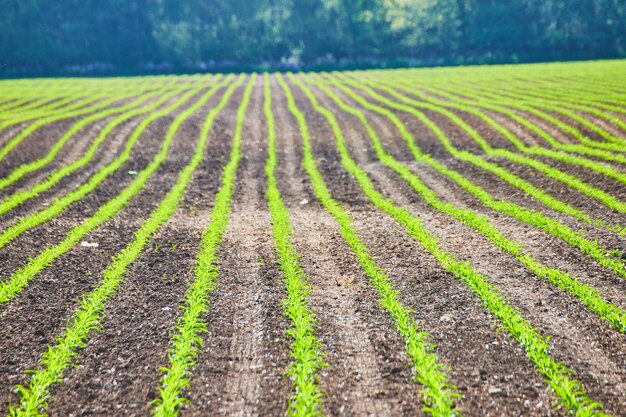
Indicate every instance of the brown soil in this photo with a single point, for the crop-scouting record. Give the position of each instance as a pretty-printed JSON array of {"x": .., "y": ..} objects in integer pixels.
[
  {"x": 62, "y": 284},
  {"x": 367, "y": 373},
  {"x": 34, "y": 146},
  {"x": 10, "y": 132},
  {"x": 116, "y": 362},
  {"x": 488, "y": 369},
  {"x": 503, "y": 190},
  {"x": 108, "y": 151},
  {"x": 241, "y": 368}
]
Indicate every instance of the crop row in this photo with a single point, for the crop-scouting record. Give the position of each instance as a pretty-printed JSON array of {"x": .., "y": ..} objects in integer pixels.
[
  {"x": 569, "y": 390},
  {"x": 187, "y": 338},
  {"x": 157, "y": 99},
  {"x": 534, "y": 218},
  {"x": 33, "y": 398},
  {"x": 61, "y": 204},
  {"x": 358, "y": 95},
  {"x": 306, "y": 349},
  {"x": 415, "y": 107},
  {"x": 14, "y": 285}
]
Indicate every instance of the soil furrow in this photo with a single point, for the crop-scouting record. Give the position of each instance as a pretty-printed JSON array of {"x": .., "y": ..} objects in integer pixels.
[
  {"x": 556, "y": 188},
  {"x": 35, "y": 318},
  {"x": 581, "y": 339},
  {"x": 366, "y": 332},
  {"x": 34, "y": 240},
  {"x": 544, "y": 243},
  {"x": 72, "y": 150},
  {"x": 367, "y": 373},
  {"x": 602, "y": 123},
  {"x": 569, "y": 195},
  {"x": 35, "y": 145},
  {"x": 66, "y": 185},
  {"x": 596, "y": 351},
  {"x": 498, "y": 188},
  {"x": 9, "y": 133},
  {"x": 240, "y": 371},
  {"x": 582, "y": 128},
  {"x": 107, "y": 152},
  {"x": 122, "y": 371},
  {"x": 490, "y": 368}
]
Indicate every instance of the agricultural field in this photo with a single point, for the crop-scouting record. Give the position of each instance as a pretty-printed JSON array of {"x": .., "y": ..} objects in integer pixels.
[{"x": 419, "y": 242}]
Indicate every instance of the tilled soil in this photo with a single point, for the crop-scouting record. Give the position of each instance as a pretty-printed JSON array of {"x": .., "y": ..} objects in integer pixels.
[
  {"x": 367, "y": 372},
  {"x": 54, "y": 294},
  {"x": 241, "y": 368},
  {"x": 246, "y": 355},
  {"x": 117, "y": 359},
  {"x": 486, "y": 368}
]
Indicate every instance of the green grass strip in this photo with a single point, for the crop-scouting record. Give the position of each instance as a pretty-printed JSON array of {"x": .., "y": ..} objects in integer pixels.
[
  {"x": 19, "y": 197},
  {"x": 187, "y": 340},
  {"x": 25, "y": 169},
  {"x": 59, "y": 205},
  {"x": 86, "y": 320},
  {"x": 537, "y": 219},
  {"x": 10, "y": 288},
  {"x": 438, "y": 394},
  {"x": 569, "y": 390},
  {"x": 306, "y": 349},
  {"x": 613, "y": 314},
  {"x": 605, "y": 198}
]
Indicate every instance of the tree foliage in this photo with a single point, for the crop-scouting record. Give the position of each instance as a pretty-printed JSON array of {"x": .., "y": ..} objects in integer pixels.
[{"x": 121, "y": 34}]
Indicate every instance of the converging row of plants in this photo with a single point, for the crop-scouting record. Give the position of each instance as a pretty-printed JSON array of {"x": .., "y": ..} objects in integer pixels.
[{"x": 562, "y": 124}]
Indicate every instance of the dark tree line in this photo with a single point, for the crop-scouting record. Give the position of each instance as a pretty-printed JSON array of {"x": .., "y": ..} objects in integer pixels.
[{"x": 143, "y": 35}]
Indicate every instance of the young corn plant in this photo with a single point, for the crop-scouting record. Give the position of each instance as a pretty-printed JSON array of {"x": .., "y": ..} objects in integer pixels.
[
  {"x": 87, "y": 319},
  {"x": 306, "y": 349},
  {"x": 187, "y": 340},
  {"x": 11, "y": 287},
  {"x": 438, "y": 394},
  {"x": 568, "y": 390},
  {"x": 613, "y": 314},
  {"x": 522, "y": 214}
]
